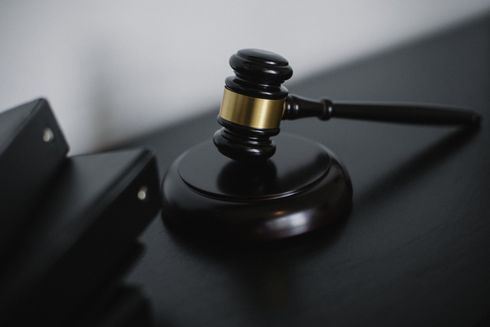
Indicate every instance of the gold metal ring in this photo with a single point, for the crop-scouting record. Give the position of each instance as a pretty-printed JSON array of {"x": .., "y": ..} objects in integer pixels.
[{"x": 251, "y": 112}]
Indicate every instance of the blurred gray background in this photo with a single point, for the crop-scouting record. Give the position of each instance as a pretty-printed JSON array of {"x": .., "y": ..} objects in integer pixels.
[{"x": 116, "y": 69}]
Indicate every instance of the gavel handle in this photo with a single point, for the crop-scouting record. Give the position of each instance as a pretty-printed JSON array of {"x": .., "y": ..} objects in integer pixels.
[{"x": 298, "y": 107}]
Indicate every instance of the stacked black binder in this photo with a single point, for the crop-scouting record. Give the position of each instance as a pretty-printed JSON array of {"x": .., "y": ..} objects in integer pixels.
[{"x": 69, "y": 226}]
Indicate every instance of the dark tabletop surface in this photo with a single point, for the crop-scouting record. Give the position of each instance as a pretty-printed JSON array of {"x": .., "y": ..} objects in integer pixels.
[{"x": 416, "y": 247}]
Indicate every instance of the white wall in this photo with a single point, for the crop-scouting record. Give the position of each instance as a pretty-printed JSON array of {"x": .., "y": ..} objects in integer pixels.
[{"x": 113, "y": 69}]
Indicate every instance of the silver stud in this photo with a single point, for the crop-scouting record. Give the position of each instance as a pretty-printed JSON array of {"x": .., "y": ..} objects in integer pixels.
[
  {"x": 48, "y": 135},
  {"x": 142, "y": 193}
]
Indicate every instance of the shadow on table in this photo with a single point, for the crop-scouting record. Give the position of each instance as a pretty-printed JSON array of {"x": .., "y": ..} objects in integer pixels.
[{"x": 422, "y": 163}]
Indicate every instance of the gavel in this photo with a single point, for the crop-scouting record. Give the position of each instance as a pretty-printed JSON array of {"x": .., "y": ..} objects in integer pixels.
[{"x": 255, "y": 101}]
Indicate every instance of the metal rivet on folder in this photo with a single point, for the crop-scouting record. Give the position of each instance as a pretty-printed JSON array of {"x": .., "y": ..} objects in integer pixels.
[
  {"x": 143, "y": 193},
  {"x": 48, "y": 135}
]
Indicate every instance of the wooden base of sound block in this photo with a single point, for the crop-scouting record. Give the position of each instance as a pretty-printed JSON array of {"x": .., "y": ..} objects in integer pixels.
[{"x": 303, "y": 187}]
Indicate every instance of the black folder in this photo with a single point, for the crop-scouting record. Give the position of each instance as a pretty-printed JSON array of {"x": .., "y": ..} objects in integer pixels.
[
  {"x": 84, "y": 230},
  {"x": 126, "y": 306},
  {"x": 32, "y": 149}
]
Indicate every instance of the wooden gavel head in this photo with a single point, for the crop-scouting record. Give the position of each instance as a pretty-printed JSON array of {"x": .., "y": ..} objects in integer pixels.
[{"x": 253, "y": 105}]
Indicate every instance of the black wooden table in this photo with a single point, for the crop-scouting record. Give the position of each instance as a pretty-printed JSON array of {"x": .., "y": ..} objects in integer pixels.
[{"x": 415, "y": 250}]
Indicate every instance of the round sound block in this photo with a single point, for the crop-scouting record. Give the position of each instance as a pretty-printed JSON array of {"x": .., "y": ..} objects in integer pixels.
[{"x": 303, "y": 187}]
